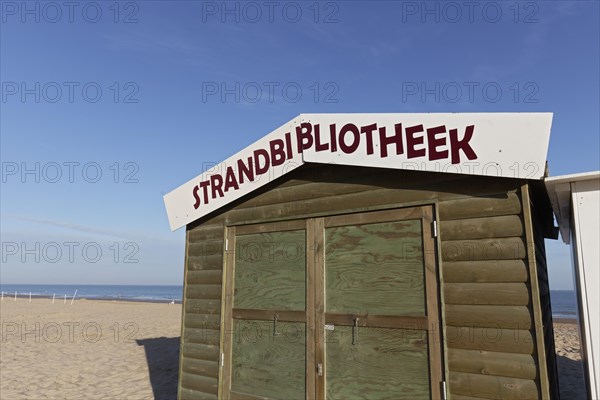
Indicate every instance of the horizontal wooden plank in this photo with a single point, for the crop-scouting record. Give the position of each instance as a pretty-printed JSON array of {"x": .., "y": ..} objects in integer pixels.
[
  {"x": 397, "y": 214},
  {"x": 340, "y": 182},
  {"x": 194, "y": 320},
  {"x": 205, "y": 232},
  {"x": 461, "y": 397},
  {"x": 472, "y": 207},
  {"x": 210, "y": 291},
  {"x": 209, "y": 262},
  {"x": 484, "y": 249},
  {"x": 201, "y": 367},
  {"x": 482, "y": 228},
  {"x": 492, "y": 387},
  {"x": 269, "y": 315},
  {"x": 203, "y": 384},
  {"x": 203, "y": 306},
  {"x": 485, "y": 271},
  {"x": 190, "y": 394},
  {"x": 379, "y": 321},
  {"x": 489, "y": 316},
  {"x": 490, "y": 339},
  {"x": 233, "y": 395},
  {"x": 207, "y": 249},
  {"x": 201, "y": 335},
  {"x": 492, "y": 363},
  {"x": 364, "y": 200},
  {"x": 293, "y": 225},
  {"x": 514, "y": 294},
  {"x": 200, "y": 351},
  {"x": 204, "y": 276}
]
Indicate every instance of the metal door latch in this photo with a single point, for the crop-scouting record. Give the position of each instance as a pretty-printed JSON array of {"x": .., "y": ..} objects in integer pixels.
[{"x": 275, "y": 318}]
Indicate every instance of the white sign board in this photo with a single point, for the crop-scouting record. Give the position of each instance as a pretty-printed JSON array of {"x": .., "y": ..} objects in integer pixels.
[{"x": 512, "y": 145}]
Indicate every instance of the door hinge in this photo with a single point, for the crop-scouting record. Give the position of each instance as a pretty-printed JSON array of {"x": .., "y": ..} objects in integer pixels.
[
  {"x": 444, "y": 394},
  {"x": 434, "y": 229}
]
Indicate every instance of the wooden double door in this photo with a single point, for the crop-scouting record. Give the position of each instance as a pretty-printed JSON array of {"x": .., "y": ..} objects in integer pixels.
[{"x": 340, "y": 307}]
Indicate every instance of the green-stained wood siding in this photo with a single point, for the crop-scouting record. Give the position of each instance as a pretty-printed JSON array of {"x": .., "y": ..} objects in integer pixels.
[
  {"x": 381, "y": 363},
  {"x": 270, "y": 272},
  {"x": 269, "y": 365},
  {"x": 482, "y": 242},
  {"x": 375, "y": 269}
]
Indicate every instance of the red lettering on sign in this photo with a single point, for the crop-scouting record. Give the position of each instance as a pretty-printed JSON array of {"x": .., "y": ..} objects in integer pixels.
[
  {"x": 412, "y": 141},
  {"x": 351, "y": 148},
  {"x": 277, "y": 152},
  {"x": 368, "y": 131},
  {"x": 258, "y": 169},
  {"x": 457, "y": 145},
  {"x": 216, "y": 181},
  {"x": 332, "y": 137},
  {"x": 230, "y": 181},
  {"x": 318, "y": 145},
  {"x": 304, "y": 138},
  {"x": 245, "y": 170},
  {"x": 196, "y": 198},
  {"x": 288, "y": 146},
  {"x": 433, "y": 143},
  {"x": 384, "y": 140},
  {"x": 204, "y": 186}
]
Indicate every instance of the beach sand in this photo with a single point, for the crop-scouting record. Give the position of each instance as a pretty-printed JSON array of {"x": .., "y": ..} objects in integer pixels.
[
  {"x": 130, "y": 350},
  {"x": 88, "y": 350},
  {"x": 568, "y": 357}
]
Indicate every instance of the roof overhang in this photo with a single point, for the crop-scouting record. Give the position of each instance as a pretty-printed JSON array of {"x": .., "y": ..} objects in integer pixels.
[
  {"x": 559, "y": 190},
  {"x": 511, "y": 145}
]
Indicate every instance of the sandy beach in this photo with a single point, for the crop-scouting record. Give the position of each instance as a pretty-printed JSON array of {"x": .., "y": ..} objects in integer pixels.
[
  {"x": 568, "y": 357},
  {"x": 88, "y": 350},
  {"x": 129, "y": 350}
]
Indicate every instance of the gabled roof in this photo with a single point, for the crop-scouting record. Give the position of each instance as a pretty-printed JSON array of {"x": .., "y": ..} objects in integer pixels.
[{"x": 512, "y": 145}]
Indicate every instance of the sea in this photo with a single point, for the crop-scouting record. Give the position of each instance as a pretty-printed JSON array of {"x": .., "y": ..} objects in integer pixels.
[
  {"x": 149, "y": 293},
  {"x": 563, "y": 301},
  {"x": 564, "y": 304}
]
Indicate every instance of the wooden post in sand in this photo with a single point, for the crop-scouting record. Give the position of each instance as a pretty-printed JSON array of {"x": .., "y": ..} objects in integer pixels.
[
  {"x": 73, "y": 299},
  {"x": 15, "y": 295},
  {"x": 53, "y": 296},
  {"x": 30, "y": 297}
]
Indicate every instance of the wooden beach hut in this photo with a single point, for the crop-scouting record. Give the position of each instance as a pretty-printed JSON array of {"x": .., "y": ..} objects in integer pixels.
[{"x": 376, "y": 256}]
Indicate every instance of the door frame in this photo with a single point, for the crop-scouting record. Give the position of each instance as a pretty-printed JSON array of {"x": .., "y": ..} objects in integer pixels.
[{"x": 315, "y": 315}]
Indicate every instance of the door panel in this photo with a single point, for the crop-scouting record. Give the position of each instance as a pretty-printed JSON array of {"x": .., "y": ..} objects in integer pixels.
[
  {"x": 269, "y": 359},
  {"x": 265, "y": 310},
  {"x": 376, "y": 363},
  {"x": 380, "y": 306},
  {"x": 270, "y": 271},
  {"x": 375, "y": 269}
]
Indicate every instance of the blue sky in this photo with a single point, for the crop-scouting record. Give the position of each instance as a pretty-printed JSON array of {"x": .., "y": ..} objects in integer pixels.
[{"x": 134, "y": 92}]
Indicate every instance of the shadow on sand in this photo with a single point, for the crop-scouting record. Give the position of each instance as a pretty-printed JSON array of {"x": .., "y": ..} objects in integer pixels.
[
  {"x": 162, "y": 355},
  {"x": 570, "y": 379}
]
